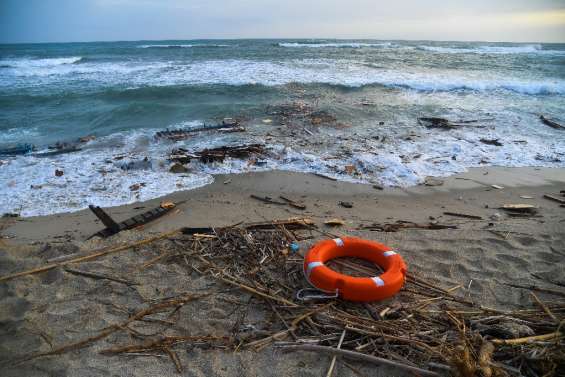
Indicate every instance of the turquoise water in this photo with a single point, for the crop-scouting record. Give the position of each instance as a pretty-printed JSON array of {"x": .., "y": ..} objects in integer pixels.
[{"x": 122, "y": 92}]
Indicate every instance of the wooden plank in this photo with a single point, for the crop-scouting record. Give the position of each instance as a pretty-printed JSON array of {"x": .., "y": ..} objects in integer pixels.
[{"x": 105, "y": 218}]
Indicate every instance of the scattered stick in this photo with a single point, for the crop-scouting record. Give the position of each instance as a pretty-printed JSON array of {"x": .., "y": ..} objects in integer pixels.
[
  {"x": 267, "y": 200},
  {"x": 464, "y": 215},
  {"x": 528, "y": 339},
  {"x": 334, "y": 358},
  {"x": 292, "y": 203},
  {"x": 544, "y": 307},
  {"x": 554, "y": 198},
  {"x": 94, "y": 275}
]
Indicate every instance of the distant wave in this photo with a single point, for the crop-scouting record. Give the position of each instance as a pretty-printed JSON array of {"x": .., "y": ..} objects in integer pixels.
[
  {"x": 183, "y": 46},
  {"x": 486, "y": 49},
  {"x": 236, "y": 72},
  {"x": 38, "y": 63},
  {"x": 335, "y": 45}
]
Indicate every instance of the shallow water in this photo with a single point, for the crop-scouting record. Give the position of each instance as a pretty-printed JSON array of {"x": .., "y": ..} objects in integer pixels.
[{"x": 124, "y": 92}]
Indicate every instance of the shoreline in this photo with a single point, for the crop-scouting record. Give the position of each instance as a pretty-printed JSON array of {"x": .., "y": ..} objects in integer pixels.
[{"x": 465, "y": 192}]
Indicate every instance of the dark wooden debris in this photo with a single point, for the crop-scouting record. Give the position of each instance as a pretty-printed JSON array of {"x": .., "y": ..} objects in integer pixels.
[
  {"x": 228, "y": 125},
  {"x": 442, "y": 123},
  {"x": 112, "y": 227},
  {"x": 183, "y": 156},
  {"x": 293, "y": 203},
  {"x": 554, "y": 198},
  {"x": 395, "y": 227},
  {"x": 551, "y": 123},
  {"x": 267, "y": 199},
  {"x": 494, "y": 142},
  {"x": 464, "y": 215}
]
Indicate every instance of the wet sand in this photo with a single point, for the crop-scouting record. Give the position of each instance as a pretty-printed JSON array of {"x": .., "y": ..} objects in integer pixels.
[{"x": 483, "y": 255}]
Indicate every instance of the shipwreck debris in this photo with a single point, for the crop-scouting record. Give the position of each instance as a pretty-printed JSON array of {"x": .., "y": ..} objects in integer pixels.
[
  {"x": 551, "y": 123},
  {"x": 112, "y": 227},
  {"x": 228, "y": 125},
  {"x": 219, "y": 154},
  {"x": 399, "y": 225}
]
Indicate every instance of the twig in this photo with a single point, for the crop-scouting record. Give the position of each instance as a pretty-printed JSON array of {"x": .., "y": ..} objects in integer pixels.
[
  {"x": 334, "y": 358},
  {"x": 544, "y": 307},
  {"x": 528, "y": 339},
  {"x": 94, "y": 275}
]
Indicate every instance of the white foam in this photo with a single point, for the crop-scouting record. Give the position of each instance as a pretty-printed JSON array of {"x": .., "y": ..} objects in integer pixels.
[
  {"x": 245, "y": 72},
  {"x": 490, "y": 49},
  {"x": 95, "y": 176},
  {"x": 183, "y": 45},
  {"x": 335, "y": 45},
  {"x": 35, "y": 63}
]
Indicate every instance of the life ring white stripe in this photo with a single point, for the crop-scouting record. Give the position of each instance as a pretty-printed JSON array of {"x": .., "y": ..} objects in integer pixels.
[
  {"x": 378, "y": 281},
  {"x": 338, "y": 242},
  {"x": 311, "y": 266},
  {"x": 389, "y": 253}
]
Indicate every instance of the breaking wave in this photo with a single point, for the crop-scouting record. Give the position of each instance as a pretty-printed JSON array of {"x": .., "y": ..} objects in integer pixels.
[
  {"x": 489, "y": 49},
  {"x": 335, "y": 45},
  {"x": 183, "y": 46},
  {"x": 38, "y": 63}
]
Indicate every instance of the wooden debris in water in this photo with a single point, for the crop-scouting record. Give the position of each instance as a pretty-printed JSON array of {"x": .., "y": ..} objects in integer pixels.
[{"x": 551, "y": 123}]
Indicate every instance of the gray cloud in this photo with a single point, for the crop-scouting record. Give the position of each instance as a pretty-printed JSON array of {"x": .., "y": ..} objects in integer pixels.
[{"x": 94, "y": 20}]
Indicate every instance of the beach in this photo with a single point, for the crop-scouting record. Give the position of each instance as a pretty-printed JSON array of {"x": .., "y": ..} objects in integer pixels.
[{"x": 491, "y": 256}]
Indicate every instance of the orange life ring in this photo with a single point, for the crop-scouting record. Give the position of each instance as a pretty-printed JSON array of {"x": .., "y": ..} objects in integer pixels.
[{"x": 355, "y": 288}]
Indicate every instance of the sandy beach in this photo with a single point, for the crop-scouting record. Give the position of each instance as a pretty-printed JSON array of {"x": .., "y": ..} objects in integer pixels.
[{"x": 483, "y": 254}]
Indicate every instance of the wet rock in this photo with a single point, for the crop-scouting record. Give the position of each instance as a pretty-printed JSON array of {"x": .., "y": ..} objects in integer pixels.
[
  {"x": 431, "y": 181},
  {"x": 346, "y": 204},
  {"x": 59, "y": 173},
  {"x": 178, "y": 168}
]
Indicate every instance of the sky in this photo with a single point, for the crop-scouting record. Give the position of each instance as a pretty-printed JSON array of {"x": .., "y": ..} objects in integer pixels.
[{"x": 23, "y": 21}]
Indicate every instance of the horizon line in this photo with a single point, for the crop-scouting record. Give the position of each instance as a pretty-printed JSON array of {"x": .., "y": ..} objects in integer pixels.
[{"x": 278, "y": 38}]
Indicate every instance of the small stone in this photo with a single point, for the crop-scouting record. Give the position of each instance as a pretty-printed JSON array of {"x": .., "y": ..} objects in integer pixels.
[
  {"x": 178, "y": 168},
  {"x": 346, "y": 204},
  {"x": 430, "y": 181}
]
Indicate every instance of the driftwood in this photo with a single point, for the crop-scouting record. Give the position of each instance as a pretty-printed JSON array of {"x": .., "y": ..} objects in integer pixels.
[
  {"x": 293, "y": 203},
  {"x": 266, "y": 199},
  {"x": 554, "y": 198},
  {"x": 464, "y": 215},
  {"x": 228, "y": 125},
  {"x": 112, "y": 227},
  {"x": 550, "y": 123},
  {"x": 395, "y": 227},
  {"x": 183, "y": 156},
  {"x": 494, "y": 142}
]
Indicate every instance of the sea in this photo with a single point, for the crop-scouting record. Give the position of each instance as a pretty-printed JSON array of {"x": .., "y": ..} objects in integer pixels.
[{"x": 123, "y": 93}]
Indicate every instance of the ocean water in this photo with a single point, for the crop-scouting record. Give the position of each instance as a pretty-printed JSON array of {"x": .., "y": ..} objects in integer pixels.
[{"x": 124, "y": 92}]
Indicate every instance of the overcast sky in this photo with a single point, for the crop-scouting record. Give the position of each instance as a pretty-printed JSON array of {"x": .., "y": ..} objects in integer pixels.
[{"x": 111, "y": 20}]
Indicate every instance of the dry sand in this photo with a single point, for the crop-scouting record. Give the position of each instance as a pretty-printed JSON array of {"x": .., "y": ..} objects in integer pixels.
[{"x": 56, "y": 307}]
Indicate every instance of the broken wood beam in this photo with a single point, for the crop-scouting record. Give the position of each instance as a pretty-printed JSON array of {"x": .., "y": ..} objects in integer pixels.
[
  {"x": 550, "y": 123},
  {"x": 108, "y": 222},
  {"x": 554, "y": 198},
  {"x": 130, "y": 223}
]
